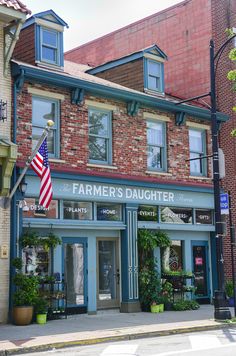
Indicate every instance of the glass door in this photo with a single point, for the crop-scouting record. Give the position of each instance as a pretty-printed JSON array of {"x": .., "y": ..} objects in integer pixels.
[
  {"x": 75, "y": 267},
  {"x": 108, "y": 273},
  {"x": 201, "y": 271}
]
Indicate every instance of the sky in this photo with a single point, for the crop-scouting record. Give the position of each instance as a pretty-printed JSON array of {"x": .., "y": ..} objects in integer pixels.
[{"x": 90, "y": 19}]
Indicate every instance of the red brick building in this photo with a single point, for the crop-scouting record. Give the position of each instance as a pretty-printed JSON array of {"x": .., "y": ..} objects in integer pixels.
[
  {"x": 119, "y": 163},
  {"x": 183, "y": 32}
]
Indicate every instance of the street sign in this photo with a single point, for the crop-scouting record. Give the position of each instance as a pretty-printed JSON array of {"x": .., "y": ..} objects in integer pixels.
[{"x": 224, "y": 204}]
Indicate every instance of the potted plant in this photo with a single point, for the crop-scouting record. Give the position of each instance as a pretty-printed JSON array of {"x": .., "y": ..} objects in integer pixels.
[
  {"x": 167, "y": 292},
  {"x": 41, "y": 309},
  {"x": 26, "y": 292},
  {"x": 229, "y": 289}
]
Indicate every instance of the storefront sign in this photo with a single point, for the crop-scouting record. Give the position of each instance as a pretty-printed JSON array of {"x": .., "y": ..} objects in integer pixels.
[
  {"x": 109, "y": 212},
  {"x": 176, "y": 215},
  {"x": 204, "y": 217},
  {"x": 147, "y": 213},
  {"x": 121, "y": 193},
  {"x": 198, "y": 261},
  {"x": 77, "y": 210}
]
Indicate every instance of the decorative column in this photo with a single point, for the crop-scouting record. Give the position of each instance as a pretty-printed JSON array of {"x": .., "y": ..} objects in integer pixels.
[{"x": 129, "y": 262}]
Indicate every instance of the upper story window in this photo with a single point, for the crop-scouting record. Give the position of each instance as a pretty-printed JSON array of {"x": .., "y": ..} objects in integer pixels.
[
  {"x": 50, "y": 46},
  {"x": 43, "y": 110},
  {"x": 156, "y": 145},
  {"x": 197, "y": 147},
  {"x": 154, "y": 75},
  {"x": 100, "y": 136}
]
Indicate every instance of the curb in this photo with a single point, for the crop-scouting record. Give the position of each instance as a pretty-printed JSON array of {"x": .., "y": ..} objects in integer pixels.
[{"x": 66, "y": 344}]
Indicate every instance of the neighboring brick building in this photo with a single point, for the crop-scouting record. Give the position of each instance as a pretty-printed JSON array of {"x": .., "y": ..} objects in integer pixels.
[
  {"x": 183, "y": 32},
  {"x": 119, "y": 162},
  {"x": 12, "y": 15}
]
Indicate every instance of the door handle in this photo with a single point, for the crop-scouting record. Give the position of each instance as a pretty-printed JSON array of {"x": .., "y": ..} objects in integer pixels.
[{"x": 118, "y": 276}]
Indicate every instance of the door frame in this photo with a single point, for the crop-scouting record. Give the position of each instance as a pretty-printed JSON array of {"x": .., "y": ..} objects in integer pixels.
[
  {"x": 114, "y": 303},
  {"x": 83, "y": 241},
  {"x": 205, "y": 244}
]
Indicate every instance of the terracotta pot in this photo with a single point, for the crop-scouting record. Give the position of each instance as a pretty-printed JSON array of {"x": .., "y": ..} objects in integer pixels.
[{"x": 22, "y": 315}]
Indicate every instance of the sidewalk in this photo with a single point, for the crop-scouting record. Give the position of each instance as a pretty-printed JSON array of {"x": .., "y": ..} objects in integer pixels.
[{"x": 105, "y": 326}]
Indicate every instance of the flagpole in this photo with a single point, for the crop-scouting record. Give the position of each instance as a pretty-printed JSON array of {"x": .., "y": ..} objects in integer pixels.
[{"x": 7, "y": 200}]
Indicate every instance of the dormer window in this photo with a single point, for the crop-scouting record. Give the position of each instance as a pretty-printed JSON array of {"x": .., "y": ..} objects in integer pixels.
[
  {"x": 50, "y": 46},
  {"x": 154, "y": 75}
]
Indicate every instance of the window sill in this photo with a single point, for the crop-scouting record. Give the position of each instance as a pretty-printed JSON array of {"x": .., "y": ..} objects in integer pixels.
[
  {"x": 159, "y": 173},
  {"x": 56, "y": 160},
  {"x": 201, "y": 177},
  {"x": 94, "y": 165}
]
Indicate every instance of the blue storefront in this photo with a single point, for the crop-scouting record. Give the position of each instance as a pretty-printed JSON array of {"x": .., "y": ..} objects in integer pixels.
[{"x": 97, "y": 220}]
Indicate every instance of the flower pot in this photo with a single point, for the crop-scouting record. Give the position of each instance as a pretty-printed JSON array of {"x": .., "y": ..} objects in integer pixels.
[
  {"x": 41, "y": 318},
  {"x": 161, "y": 308},
  {"x": 155, "y": 308},
  {"x": 22, "y": 315}
]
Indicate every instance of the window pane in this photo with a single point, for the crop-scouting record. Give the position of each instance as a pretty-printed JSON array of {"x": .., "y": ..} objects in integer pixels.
[
  {"x": 77, "y": 210},
  {"x": 196, "y": 165},
  {"x": 147, "y": 213},
  {"x": 195, "y": 141},
  {"x": 154, "y": 157},
  {"x": 43, "y": 110},
  {"x": 155, "y": 134},
  {"x": 172, "y": 257},
  {"x": 154, "y": 69},
  {"x": 204, "y": 217},
  {"x": 50, "y": 38},
  {"x": 153, "y": 83},
  {"x": 36, "y": 134},
  {"x": 98, "y": 149},
  {"x": 176, "y": 215},
  {"x": 98, "y": 123},
  {"x": 109, "y": 212},
  {"x": 37, "y": 211},
  {"x": 49, "y": 54}
]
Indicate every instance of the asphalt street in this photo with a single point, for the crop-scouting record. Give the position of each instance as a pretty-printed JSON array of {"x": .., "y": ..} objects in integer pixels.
[{"x": 207, "y": 343}]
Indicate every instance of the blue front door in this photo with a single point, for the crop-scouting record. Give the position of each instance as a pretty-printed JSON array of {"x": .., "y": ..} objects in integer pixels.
[
  {"x": 200, "y": 262},
  {"x": 74, "y": 263}
]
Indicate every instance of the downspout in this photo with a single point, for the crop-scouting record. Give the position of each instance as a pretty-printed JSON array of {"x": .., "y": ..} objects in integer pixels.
[{"x": 13, "y": 206}]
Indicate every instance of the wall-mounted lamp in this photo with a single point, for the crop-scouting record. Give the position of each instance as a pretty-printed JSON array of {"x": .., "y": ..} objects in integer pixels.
[
  {"x": 3, "y": 110},
  {"x": 23, "y": 205},
  {"x": 23, "y": 187}
]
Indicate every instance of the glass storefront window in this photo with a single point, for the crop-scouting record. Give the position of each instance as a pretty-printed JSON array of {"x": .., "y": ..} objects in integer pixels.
[
  {"x": 172, "y": 257},
  {"x": 37, "y": 211},
  {"x": 203, "y": 216},
  {"x": 147, "y": 213},
  {"x": 36, "y": 261},
  {"x": 77, "y": 210},
  {"x": 176, "y": 215},
  {"x": 109, "y": 212}
]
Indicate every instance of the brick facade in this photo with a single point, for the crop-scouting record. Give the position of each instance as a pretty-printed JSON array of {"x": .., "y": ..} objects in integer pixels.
[
  {"x": 183, "y": 32},
  {"x": 25, "y": 47},
  {"x": 128, "y": 136}
]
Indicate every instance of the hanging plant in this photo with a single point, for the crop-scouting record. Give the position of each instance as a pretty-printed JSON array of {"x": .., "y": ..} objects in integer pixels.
[
  {"x": 51, "y": 241},
  {"x": 29, "y": 239},
  {"x": 162, "y": 239}
]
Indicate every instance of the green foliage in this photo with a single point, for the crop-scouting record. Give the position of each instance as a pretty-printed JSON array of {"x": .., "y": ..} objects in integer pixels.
[
  {"x": 179, "y": 273},
  {"x": 41, "y": 305},
  {"x": 162, "y": 239},
  {"x": 31, "y": 239},
  {"x": 17, "y": 263},
  {"x": 229, "y": 288},
  {"x": 167, "y": 290},
  {"x": 232, "y": 75},
  {"x": 232, "y": 54},
  {"x": 182, "y": 305},
  {"x": 26, "y": 289},
  {"x": 149, "y": 287}
]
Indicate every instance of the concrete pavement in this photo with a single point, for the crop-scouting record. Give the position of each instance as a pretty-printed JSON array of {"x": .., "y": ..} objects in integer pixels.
[{"x": 105, "y": 326}]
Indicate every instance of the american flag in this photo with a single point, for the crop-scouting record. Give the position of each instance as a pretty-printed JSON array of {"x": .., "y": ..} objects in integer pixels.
[{"x": 41, "y": 166}]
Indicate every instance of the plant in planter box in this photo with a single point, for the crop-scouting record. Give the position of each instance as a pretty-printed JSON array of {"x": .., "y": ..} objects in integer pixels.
[
  {"x": 167, "y": 293},
  {"x": 24, "y": 296},
  {"x": 149, "y": 287}
]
